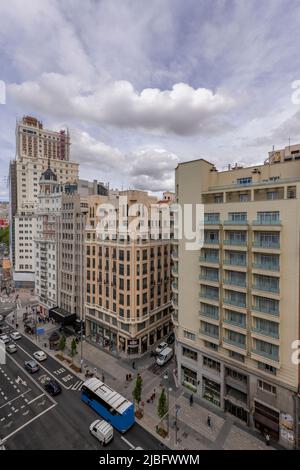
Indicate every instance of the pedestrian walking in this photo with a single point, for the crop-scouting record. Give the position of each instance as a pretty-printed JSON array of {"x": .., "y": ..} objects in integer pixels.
[
  {"x": 209, "y": 421},
  {"x": 191, "y": 399},
  {"x": 267, "y": 436},
  {"x": 133, "y": 365}
]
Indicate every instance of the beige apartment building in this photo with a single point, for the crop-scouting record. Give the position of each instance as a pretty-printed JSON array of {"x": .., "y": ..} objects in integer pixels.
[
  {"x": 34, "y": 147},
  {"x": 237, "y": 299},
  {"x": 128, "y": 295}
]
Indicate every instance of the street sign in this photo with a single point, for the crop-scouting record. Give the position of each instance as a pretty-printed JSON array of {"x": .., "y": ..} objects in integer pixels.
[{"x": 40, "y": 331}]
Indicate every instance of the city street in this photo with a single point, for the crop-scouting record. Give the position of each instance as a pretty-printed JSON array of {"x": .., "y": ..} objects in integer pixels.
[{"x": 31, "y": 419}]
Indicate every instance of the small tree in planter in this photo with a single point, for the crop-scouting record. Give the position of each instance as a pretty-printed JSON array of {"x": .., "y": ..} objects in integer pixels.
[
  {"x": 73, "y": 348},
  {"x": 162, "y": 410},
  {"x": 62, "y": 343},
  {"x": 137, "y": 394}
]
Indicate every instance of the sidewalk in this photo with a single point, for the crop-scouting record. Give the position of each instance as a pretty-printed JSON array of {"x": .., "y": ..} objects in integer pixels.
[{"x": 193, "y": 432}]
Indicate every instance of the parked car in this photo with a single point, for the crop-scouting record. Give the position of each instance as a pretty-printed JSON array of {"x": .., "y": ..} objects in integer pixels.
[
  {"x": 53, "y": 387},
  {"x": 31, "y": 366},
  {"x": 102, "y": 430},
  {"x": 11, "y": 348},
  {"x": 40, "y": 356},
  {"x": 4, "y": 338},
  {"x": 164, "y": 356},
  {"x": 160, "y": 347},
  {"x": 15, "y": 335}
]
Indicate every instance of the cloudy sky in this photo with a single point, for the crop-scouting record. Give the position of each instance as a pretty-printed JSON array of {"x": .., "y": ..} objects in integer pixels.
[{"x": 143, "y": 85}]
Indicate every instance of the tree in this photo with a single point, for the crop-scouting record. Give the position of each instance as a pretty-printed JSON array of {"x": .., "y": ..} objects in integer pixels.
[
  {"x": 137, "y": 391},
  {"x": 73, "y": 347},
  {"x": 162, "y": 407},
  {"x": 62, "y": 342}
]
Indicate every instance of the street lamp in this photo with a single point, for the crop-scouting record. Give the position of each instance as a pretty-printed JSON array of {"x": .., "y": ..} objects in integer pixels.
[
  {"x": 177, "y": 409},
  {"x": 169, "y": 389}
]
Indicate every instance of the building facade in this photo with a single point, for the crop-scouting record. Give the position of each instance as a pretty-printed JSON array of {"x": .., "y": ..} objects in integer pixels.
[
  {"x": 128, "y": 296},
  {"x": 237, "y": 299},
  {"x": 34, "y": 147}
]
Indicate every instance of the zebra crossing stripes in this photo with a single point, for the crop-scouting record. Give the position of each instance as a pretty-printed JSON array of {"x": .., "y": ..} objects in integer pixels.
[{"x": 77, "y": 385}]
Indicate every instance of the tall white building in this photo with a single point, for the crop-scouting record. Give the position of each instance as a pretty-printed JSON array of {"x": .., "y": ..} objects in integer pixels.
[{"x": 34, "y": 147}]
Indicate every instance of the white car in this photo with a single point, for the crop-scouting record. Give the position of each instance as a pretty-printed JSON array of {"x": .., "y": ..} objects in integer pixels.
[
  {"x": 5, "y": 339},
  {"x": 15, "y": 335},
  {"x": 102, "y": 430},
  {"x": 160, "y": 347},
  {"x": 40, "y": 356}
]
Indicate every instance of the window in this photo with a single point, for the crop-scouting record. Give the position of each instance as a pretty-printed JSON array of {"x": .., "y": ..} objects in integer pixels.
[
  {"x": 188, "y": 335},
  {"x": 247, "y": 180},
  {"x": 236, "y": 356},
  {"x": 267, "y": 368},
  {"x": 237, "y": 216},
  {"x": 211, "y": 364},
  {"x": 210, "y": 345},
  {"x": 189, "y": 353},
  {"x": 266, "y": 387},
  {"x": 212, "y": 217}
]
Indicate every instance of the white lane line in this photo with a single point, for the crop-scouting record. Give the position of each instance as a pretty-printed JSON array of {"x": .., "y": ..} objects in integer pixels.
[
  {"x": 19, "y": 396},
  {"x": 47, "y": 370},
  {"x": 28, "y": 422},
  {"x": 128, "y": 443},
  {"x": 34, "y": 399}
]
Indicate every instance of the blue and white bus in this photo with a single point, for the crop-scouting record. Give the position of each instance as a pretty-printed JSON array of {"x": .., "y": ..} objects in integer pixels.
[{"x": 114, "y": 408}]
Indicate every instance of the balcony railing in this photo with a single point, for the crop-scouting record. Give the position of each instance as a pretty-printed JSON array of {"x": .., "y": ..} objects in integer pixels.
[
  {"x": 236, "y": 282},
  {"x": 236, "y": 222},
  {"x": 209, "y": 295},
  {"x": 212, "y": 222},
  {"x": 208, "y": 277},
  {"x": 236, "y": 302},
  {"x": 267, "y": 266},
  {"x": 269, "y": 311},
  {"x": 264, "y": 332},
  {"x": 266, "y": 244},
  {"x": 235, "y": 323},
  {"x": 273, "y": 357},
  {"x": 211, "y": 334},
  {"x": 265, "y": 287},
  {"x": 237, "y": 242},
  {"x": 212, "y": 315},
  {"x": 235, "y": 262},
  {"x": 266, "y": 222},
  {"x": 234, "y": 343},
  {"x": 209, "y": 259},
  {"x": 209, "y": 241}
]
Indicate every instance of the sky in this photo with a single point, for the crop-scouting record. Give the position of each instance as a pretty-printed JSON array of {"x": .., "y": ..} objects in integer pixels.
[{"x": 142, "y": 85}]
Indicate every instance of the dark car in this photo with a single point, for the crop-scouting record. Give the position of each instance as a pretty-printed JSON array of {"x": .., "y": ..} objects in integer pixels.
[
  {"x": 171, "y": 338},
  {"x": 31, "y": 366},
  {"x": 53, "y": 387}
]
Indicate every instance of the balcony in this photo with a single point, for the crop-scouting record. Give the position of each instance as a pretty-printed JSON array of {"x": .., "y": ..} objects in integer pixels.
[
  {"x": 234, "y": 343},
  {"x": 209, "y": 295},
  {"x": 266, "y": 244},
  {"x": 175, "y": 286},
  {"x": 235, "y": 302},
  {"x": 265, "y": 287},
  {"x": 235, "y": 242},
  {"x": 261, "y": 309},
  {"x": 266, "y": 266},
  {"x": 272, "y": 357},
  {"x": 211, "y": 315},
  {"x": 212, "y": 221},
  {"x": 236, "y": 282},
  {"x": 236, "y": 222},
  {"x": 209, "y": 259},
  {"x": 264, "y": 332},
  {"x": 235, "y": 262},
  {"x": 208, "y": 277},
  {"x": 211, "y": 241},
  {"x": 266, "y": 222},
  {"x": 211, "y": 334},
  {"x": 239, "y": 324},
  {"x": 175, "y": 270}
]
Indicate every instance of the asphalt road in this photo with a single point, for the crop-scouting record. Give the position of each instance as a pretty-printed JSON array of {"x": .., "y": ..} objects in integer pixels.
[{"x": 31, "y": 419}]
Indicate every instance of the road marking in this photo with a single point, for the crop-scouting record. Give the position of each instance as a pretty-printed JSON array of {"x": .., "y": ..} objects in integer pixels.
[
  {"x": 28, "y": 422},
  {"x": 34, "y": 399},
  {"x": 128, "y": 443},
  {"x": 10, "y": 401},
  {"x": 77, "y": 385}
]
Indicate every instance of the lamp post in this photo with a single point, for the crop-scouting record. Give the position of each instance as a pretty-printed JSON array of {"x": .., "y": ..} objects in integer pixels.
[
  {"x": 177, "y": 409},
  {"x": 169, "y": 389}
]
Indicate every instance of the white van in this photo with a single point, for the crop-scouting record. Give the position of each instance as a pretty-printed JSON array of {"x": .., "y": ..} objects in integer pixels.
[
  {"x": 102, "y": 431},
  {"x": 164, "y": 356}
]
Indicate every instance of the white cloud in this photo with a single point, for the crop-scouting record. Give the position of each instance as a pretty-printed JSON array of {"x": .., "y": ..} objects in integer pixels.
[{"x": 182, "y": 110}]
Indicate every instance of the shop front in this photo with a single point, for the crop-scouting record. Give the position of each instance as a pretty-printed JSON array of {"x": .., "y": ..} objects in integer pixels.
[
  {"x": 144, "y": 344},
  {"x": 189, "y": 378},
  {"x": 211, "y": 391},
  {"x": 103, "y": 337},
  {"x": 266, "y": 420},
  {"x": 133, "y": 346}
]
